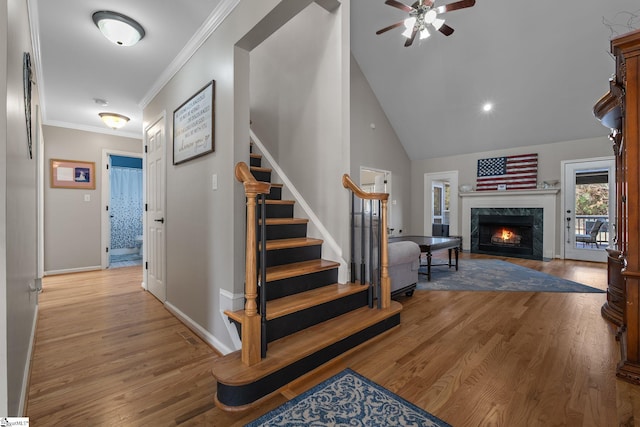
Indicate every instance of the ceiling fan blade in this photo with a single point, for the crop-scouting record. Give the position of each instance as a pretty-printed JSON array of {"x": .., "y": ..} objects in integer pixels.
[
  {"x": 390, "y": 27},
  {"x": 410, "y": 40},
  {"x": 455, "y": 6},
  {"x": 446, "y": 30},
  {"x": 399, "y": 5}
]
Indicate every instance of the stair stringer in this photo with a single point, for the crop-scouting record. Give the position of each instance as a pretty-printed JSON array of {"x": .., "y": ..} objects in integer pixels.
[{"x": 331, "y": 249}]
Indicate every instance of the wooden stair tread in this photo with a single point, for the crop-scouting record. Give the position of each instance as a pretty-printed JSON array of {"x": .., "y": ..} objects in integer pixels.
[
  {"x": 284, "y": 221},
  {"x": 277, "y": 202},
  {"x": 296, "y": 242},
  {"x": 301, "y": 301},
  {"x": 255, "y": 155},
  {"x": 260, "y": 169},
  {"x": 293, "y": 269},
  {"x": 230, "y": 370}
]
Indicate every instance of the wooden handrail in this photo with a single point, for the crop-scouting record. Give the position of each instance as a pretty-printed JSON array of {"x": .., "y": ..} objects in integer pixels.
[
  {"x": 251, "y": 333},
  {"x": 385, "y": 280},
  {"x": 348, "y": 183}
]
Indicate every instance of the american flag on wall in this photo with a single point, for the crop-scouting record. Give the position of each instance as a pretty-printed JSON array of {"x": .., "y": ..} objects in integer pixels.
[{"x": 516, "y": 172}]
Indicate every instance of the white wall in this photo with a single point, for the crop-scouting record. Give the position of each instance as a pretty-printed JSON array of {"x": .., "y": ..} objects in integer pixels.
[
  {"x": 4, "y": 35},
  {"x": 72, "y": 226},
  {"x": 378, "y": 148},
  {"x": 205, "y": 228},
  {"x": 296, "y": 109},
  {"x": 18, "y": 229},
  {"x": 550, "y": 157}
]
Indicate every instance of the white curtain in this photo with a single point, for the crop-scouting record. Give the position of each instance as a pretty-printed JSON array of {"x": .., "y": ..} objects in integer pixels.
[{"x": 126, "y": 206}]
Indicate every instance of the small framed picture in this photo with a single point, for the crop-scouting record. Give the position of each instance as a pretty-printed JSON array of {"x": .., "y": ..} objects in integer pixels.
[
  {"x": 502, "y": 187},
  {"x": 72, "y": 174}
]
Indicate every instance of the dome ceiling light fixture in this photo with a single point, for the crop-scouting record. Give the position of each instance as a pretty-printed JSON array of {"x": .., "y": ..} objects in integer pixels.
[
  {"x": 422, "y": 15},
  {"x": 114, "y": 120},
  {"x": 118, "y": 28}
]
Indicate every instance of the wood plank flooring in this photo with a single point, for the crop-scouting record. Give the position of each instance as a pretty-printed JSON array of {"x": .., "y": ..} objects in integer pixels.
[{"x": 108, "y": 353}]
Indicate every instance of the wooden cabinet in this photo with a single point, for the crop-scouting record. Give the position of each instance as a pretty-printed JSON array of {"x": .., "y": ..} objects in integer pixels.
[{"x": 620, "y": 111}]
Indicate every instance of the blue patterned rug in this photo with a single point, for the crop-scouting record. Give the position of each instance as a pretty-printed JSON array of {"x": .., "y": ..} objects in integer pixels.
[
  {"x": 348, "y": 399},
  {"x": 496, "y": 275}
]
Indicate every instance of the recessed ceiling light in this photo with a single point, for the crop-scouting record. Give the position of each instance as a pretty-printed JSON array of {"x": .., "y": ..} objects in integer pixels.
[
  {"x": 487, "y": 107},
  {"x": 118, "y": 28}
]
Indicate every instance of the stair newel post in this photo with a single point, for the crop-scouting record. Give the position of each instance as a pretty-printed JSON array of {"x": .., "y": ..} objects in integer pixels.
[
  {"x": 385, "y": 293},
  {"x": 263, "y": 276},
  {"x": 251, "y": 342}
]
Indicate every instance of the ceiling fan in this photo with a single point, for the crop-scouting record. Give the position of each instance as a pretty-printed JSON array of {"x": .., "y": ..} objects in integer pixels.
[{"x": 422, "y": 14}]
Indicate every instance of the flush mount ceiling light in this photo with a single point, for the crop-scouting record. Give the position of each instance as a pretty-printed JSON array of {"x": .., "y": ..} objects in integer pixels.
[
  {"x": 118, "y": 28},
  {"x": 113, "y": 120},
  {"x": 422, "y": 15}
]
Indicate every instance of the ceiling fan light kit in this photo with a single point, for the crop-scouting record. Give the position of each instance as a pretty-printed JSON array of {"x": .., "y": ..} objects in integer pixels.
[{"x": 422, "y": 14}]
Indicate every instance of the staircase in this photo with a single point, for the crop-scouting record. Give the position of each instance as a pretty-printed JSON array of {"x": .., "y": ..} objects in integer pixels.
[{"x": 310, "y": 317}]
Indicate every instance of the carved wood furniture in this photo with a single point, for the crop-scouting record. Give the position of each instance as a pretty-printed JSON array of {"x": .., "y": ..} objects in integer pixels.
[{"x": 619, "y": 110}]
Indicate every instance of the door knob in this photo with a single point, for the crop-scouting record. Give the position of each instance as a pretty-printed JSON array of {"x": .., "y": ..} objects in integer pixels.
[{"x": 159, "y": 220}]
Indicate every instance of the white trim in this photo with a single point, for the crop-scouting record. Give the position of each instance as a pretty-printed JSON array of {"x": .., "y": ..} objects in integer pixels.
[
  {"x": 94, "y": 129},
  {"x": 72, "y": 270},
  {"x": 232, "y": 302},
  {"x": 326, "y": 236},
  {"x": 27, "y": 367},
  {"x": 198, "y": 330},
  {"x": 224, "y": 8}
]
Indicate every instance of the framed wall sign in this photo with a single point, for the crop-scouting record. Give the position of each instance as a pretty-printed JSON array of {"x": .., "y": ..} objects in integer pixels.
[
  {"x": 72, "y": 174},
  {"x": 193, "y": 125}
]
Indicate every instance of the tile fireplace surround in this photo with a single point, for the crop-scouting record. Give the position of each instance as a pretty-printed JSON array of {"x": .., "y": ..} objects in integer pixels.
[{"x": 545, "y": 199}]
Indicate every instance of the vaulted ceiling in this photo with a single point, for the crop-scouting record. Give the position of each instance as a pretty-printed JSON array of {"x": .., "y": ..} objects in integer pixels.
[{"x": 542, "y": 64}]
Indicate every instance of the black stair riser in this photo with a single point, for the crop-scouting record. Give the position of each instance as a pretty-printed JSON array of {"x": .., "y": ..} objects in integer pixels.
[
  {"x": 295, "y": 285},
  {"x": 233, "y": 396},
  {"x": 285, "y": 231},
  {"x": 294, "y": 322},
  {"x": 262, "y": 176},
  {"x": 275, "y": 193},
  {"x": 255, "y": 162},
  {"x": 290, "y": 255},
  {"x": 277, "y": 211}
]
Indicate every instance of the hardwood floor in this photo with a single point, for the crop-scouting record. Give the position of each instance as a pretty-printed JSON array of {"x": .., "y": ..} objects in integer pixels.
[{"x": 108, "y": 353}]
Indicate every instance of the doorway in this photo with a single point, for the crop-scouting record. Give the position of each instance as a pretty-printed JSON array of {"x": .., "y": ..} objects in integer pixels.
[
  {"x": 589, "y": 207},
  {"x": 125, "y": 211},
  {"x": 125, "y": 244},
  {"x": 377, "y": 181},
  {"x": 441, "y": 203}
]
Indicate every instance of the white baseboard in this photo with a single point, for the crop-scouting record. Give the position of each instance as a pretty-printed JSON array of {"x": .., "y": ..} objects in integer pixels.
[
  {"x": 198, "y": 330},
  {"x": 72, "y": 270},
  {"x": 27, "y": 367}
]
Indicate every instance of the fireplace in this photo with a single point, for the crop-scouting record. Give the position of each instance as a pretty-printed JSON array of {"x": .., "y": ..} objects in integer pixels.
[{"x": 514, "y": 232}]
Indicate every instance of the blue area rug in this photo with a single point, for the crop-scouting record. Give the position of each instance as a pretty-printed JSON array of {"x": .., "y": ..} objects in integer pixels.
[
  {"x": 496, "y": 275},
  {"x": 348, "y": 399}
]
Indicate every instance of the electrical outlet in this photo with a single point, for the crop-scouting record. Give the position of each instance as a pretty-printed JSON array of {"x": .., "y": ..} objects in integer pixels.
[
  {"x": 214, "y": 181},
  {"x": 87, "y": 197}
]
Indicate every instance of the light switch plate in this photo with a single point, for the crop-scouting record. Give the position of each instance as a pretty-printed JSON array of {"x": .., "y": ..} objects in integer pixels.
[
  {"x": 87, "y": 197},
  {"x": 214, "y": 181}
]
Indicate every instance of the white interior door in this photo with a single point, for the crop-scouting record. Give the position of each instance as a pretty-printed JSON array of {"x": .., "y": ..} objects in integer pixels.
[
  {"x": 154, "y": 247},
  {"x": 589, "y": 209}
]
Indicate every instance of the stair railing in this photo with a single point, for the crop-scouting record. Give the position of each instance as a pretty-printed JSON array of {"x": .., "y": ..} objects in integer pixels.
[
  {"x": 254, "y": 323},
  {"x": 378, "y": 277}
]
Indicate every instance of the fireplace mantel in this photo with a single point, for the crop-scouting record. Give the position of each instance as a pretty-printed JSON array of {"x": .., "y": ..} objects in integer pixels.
[{"x": 543, "y": 198}]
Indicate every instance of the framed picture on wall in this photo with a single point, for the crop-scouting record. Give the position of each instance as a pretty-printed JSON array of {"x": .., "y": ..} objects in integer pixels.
[
  {"x": 72, "y": 174},
  {"x": 193, "y": 125}
]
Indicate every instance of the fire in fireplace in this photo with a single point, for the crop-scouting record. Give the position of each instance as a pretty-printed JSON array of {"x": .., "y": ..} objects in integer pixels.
[{"x": 506, "y": 237}]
